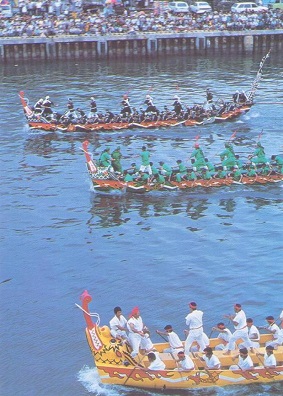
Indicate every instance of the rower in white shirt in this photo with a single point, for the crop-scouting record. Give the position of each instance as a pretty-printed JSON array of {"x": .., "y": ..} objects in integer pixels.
[
  {"x": 244, "y": 363},
  {"x": 253, "y": 333},
  {"x": 118, "y": 325},
  {"x": 269, "y": 358},
  {"x": 241, "y": 330},
  {"x": 224, "y": 335},
  {"x": 194, "y": 322},
  {"x": 175, "y": 343}
]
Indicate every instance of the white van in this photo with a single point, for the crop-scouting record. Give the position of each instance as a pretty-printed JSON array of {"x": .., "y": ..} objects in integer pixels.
[{"x": 178, "y": 7}]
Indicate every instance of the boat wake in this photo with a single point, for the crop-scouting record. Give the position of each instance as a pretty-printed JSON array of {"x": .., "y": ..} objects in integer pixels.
[{"x": 89, "y": 378}]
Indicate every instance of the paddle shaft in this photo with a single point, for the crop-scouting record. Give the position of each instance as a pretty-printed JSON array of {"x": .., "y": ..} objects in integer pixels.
[
  {"x": 206, "y": 370},
  {"x": 129, "y": 376}
]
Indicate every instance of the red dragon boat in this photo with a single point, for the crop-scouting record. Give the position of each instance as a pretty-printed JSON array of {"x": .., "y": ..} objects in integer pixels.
[
  {"x": 228, "y": 113},
  {"x": 104, "y": 180}
]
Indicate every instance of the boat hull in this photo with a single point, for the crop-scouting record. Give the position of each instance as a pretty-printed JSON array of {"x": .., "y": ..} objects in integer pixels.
[
  {"x": 175, "y": 380},
  {"x": 112, "y": 185},
  {"x": 116, "y": 366}
]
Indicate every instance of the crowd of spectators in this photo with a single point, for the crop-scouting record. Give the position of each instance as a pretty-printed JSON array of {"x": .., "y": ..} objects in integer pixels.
[{"x": 55, "y": 18}]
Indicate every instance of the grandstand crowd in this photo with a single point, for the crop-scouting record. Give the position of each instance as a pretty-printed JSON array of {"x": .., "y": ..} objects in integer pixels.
[{"x": 55, "y": 17}]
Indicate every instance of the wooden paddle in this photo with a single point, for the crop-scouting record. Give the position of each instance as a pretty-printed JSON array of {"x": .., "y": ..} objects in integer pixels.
[
  {"x": 206, "y": 370},
  {"x": 135, "y": 367}
]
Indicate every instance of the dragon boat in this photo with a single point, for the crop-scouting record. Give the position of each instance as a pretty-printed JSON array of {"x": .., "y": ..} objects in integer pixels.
[
  {"x": 116, "y": 366},
  {"x": 105, "y": 180},
  {"x": 222, "y": 112},
  {"x": 36, "y": 121}
]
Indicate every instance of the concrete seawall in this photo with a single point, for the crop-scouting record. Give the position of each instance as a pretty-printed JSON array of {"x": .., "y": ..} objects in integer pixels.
[{"x": 136, "y": 45}]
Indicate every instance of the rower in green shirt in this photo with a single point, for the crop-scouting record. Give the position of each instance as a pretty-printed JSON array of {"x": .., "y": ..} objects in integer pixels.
[
  {"x": 198, "y": 156},
  {"x": 182, "y": 171},
  {"x": 237, "y": 174},
  {"x": 105, "y": 158},
  {"x": 228, "y": 157},
  {"x": 166, "y": 170},
  {"x": 116, "y": 160},
  {"x": 145, "y": 166},
  {"x": 220, "y": 173},
  {"x": 192, "y": 176},
  {"x": 258, "y": 157},
  {"x": 128, "y": 177},
  {"x": 160, "y": 179},
  {"x": 279, "y": 163}
]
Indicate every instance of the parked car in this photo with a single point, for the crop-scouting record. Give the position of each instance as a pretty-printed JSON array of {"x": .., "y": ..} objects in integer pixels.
[
  {"x": 92, "y": 5},
  {"x": 276, "y": 4},
  {"x": 243, "y": 7},
  {"x": 199, "y": 7},
  {"x": 223, "y": 5},
  {"x": 178, "y": 6}
]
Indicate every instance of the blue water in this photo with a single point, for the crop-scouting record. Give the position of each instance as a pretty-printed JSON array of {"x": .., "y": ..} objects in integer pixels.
[{"x": 158, "y": 251}]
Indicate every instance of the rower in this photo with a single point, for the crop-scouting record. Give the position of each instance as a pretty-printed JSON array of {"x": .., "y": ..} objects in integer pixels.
[
  {"x": 182, "y": 171},
  {"x": 165, "y": 170},
  {"x": 269, "y": 358},
  {"x": 258, "y": 157},
  {"x": 244, "y": 363},
  {"x": 177, "y": 105},
  {"x": 128, "y": 177},
  {"x": 38, "y": 107},
  {"x": 273, "y": 329},
  {"x": 93, "y": 107},
  {"x": 279, "y": 162},
  {"x": 155, "y": 361},
  {"x": 209, "y": 96},
  {"x": 82, "y": 116},
  {"x": 126, "y": 108},
  {"x": 228, "y": 157},
  {"x": 184, "y": 362},
  {"x": 70, "y": 113},
  {"x": 235, "y": 97},
  {"x": 224, "y": 335},
  {"x": 105, "y": 158},
  {"x": 118, "y": 325},
  {"x": 116, "y": 160},
  {"x": 151, "y": 108},
  {"x": 243, "y": 97},
  {"x": 198, "y": 155},
  {"x": 253, "y": 333},
  {"x": 211, "y": 361},
  {"x": 173, "y": 339},
  {"x": 47, "y": 106},
  {"x": 241, "y": 330},
  {"x": 194, "y": 322}
]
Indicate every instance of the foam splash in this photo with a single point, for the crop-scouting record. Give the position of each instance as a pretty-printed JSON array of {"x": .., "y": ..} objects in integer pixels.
[{"x": 89, "y": 378}]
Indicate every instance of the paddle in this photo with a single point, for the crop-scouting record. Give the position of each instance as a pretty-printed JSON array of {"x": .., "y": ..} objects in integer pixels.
[
  {"x": 135, "y": 367},
  {"x": 206, "y": 370},
  {"x": 167, "y": 342},
  {"x": 258, "y": 354}
]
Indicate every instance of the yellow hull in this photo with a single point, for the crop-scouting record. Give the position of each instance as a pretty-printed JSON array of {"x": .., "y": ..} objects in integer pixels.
[
  {"x": 116, "y": 366},
  {"x": 110, "y": 356},
  {"x": 174, "y": 380}
]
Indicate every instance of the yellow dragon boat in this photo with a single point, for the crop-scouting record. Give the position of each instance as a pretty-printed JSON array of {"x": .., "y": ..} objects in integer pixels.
[{"x": 116, "y": 366}]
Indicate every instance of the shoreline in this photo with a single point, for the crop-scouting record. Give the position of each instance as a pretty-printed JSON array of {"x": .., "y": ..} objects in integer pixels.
[{"x": 136, "y": 45}]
